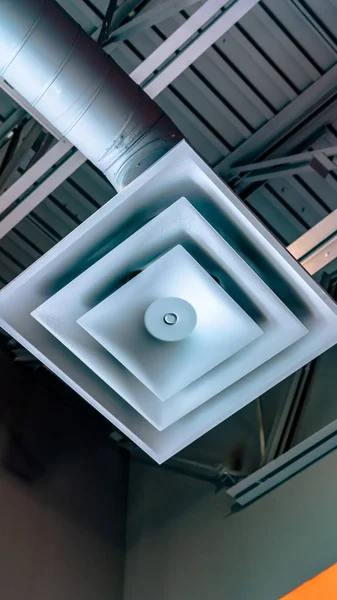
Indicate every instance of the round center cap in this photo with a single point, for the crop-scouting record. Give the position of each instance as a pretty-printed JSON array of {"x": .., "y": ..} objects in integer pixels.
[{"x": 170, "y": 319}]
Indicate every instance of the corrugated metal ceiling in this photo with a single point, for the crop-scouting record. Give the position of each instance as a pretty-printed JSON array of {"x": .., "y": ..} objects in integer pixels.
[{"x": 266, "y": 89}]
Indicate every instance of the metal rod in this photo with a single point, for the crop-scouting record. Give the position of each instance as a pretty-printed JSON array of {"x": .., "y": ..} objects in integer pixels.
[
  {"x": 104, "y": 32},
  {"x": 123, "y": 11},
  {"x": 262, "y": 436}
]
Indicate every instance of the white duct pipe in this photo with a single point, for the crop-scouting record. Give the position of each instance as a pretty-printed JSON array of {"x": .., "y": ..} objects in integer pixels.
[{"x": 70, "y": 80}]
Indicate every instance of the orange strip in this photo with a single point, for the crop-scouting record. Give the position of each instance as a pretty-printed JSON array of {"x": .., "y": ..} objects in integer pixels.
[{"x": 322, "y": 587}]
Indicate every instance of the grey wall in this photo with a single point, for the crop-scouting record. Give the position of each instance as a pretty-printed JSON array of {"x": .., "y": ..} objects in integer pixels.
[
  {"x": 320, "y": 406},
  {"x": 182, "y": 547},
  {"x": 56, "y": 550},
  {"x": 62, "y": 519}
]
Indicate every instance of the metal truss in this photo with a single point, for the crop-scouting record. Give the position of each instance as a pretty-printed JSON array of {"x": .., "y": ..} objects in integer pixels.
[
  {"x": 220, "y": 476},
  {"x": 190, "y": 51},
  {"x": 59, "y": 175},
  {"x": 289, "y": 128},
  {"x": 153, "y": 14},
  {"x": 219, "y": 25},
  {"x": 106, "y": 25},
  {"x": 283, "y": 459},
  {"x": 322, "y": 160},
  {"x": 318, "y": 246},
  {"x": 28, "y": 108},
  {"x": 314, "y": 250}
]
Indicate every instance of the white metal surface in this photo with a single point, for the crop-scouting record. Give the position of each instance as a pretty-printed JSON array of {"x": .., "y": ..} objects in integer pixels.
[
  {"x": 180, "y": 223},
  {"x": 209, "y": 9},
  {"x": 221, "y": 330},
  {"x": 179, "y": 172},
  {"x": 68, "y": 78},
  {"x": 265, "y": 72},
  {"x": 170, "y": 319},
  {"x": 44, "y": 164}
]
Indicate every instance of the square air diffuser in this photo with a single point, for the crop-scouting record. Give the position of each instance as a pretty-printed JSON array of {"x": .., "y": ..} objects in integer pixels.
[{"x": 171, "y": 308}]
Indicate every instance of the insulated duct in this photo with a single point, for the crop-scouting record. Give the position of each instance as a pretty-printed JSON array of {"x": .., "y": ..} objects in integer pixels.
[{"x": 72, "y": 82}]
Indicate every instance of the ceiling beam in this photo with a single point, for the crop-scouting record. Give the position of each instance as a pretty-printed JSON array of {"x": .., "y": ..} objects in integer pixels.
[
  {"x": 271, "y": 131},
  {"x": 318, "y": 246},
  {"x": 32, "y": 175},
  {"x": 40, "y": 193},
  {"x": 12, "y": 93},
  {"x": 193, "y": 50},
  {"x": 145, "y": 19},
  {"x": 208, "y": 10},
  {"x": 280, "y": 470},
  {"x": 45, "y": 142},
  {"x": 303, "y": 135},
  {"x": 315, "y": 23},
  {"x": 304, "y": 108},
  {"x": 285, "y": 160},
  {"x": 318, "y": 160}
]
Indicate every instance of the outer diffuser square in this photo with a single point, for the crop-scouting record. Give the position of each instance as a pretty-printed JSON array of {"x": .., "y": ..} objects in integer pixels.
[
  {"x": 180, "y": 173},
  {"x": 222, "y": 327},
  {"x": 178, "y": 223}
]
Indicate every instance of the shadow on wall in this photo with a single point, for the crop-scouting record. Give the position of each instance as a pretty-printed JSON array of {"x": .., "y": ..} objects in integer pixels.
[
  {"x": 157, "y": 496},
  {"x": 148, "y": 502},
  {"x": 63, "y": 490}
]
